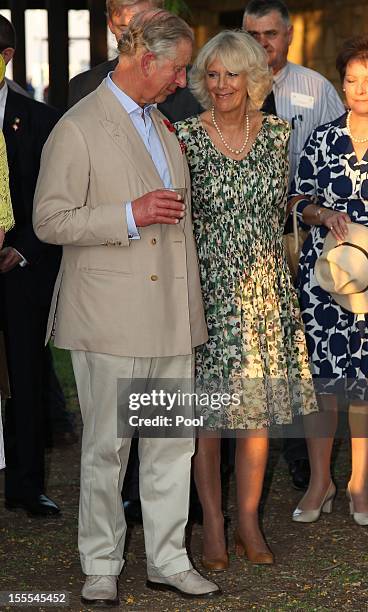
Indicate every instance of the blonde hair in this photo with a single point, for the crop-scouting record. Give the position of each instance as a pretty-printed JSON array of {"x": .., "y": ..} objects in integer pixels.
[
  {"x": 157, "y": 31},
  {"x": 115, "y": 6},
  {"x": 239, "y": 52}
]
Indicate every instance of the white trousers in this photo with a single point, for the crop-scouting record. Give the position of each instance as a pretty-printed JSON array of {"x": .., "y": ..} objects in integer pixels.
[{"x": 164, "y": 472}]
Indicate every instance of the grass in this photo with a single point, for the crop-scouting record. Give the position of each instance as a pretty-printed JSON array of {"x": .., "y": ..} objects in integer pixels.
[{"x": 64, "y": 371}]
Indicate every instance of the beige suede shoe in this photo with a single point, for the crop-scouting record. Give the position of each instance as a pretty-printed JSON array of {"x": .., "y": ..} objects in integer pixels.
[
  {"x": 189, "y": 584},
  {"x": 100, "y": 591}
]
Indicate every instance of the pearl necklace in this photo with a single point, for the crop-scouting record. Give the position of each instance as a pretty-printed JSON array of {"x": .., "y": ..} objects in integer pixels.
[
  {"x": 348, "y": 129},
  {"x": 246, "y": 130}
]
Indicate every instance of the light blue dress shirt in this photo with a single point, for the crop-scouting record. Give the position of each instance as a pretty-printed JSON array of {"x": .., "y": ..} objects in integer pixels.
[{"x": 142, "y": 122}]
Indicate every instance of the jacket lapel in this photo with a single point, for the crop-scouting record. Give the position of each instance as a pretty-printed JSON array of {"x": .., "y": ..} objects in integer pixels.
[
  {"x": 122, "y": 131},
  {"x": 171, "y": 148},
  {"x": 173, "y": 153},
  {"x": 13, "y": 119}
]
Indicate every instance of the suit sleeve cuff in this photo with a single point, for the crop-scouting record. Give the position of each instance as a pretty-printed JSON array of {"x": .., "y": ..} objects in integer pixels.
[{"x": 133, "y": 233}]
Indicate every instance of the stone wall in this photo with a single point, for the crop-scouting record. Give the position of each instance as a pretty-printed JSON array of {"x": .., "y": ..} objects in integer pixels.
[{"x": 320, "y": 27}]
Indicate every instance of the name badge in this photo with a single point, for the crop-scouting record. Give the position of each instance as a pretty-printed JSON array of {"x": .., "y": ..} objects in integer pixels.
[{"x": 298, "y": 99}]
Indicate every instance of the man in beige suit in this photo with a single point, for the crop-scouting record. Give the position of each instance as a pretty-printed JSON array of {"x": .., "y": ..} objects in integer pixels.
[{"x": 127, "y": 302}]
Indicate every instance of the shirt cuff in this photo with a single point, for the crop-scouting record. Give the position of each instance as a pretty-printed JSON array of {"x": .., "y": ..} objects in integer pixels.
[
  {"x": 22, "y": 263},
  {"x": 133, "y": 233}
]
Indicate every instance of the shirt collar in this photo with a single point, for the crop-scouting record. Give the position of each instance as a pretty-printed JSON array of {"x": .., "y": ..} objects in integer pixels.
[
  {"x": 281, "y": 75},
  {"x": 128, "y": 103}
]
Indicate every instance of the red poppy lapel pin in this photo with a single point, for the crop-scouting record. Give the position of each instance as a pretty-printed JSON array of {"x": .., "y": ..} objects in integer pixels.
[
  {"x": 172, "y": 129},
  {"x": 169, "y": 126}
]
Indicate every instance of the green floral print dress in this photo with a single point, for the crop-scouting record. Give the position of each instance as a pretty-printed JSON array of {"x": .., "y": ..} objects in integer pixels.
[{"x": 256, "y": 352}]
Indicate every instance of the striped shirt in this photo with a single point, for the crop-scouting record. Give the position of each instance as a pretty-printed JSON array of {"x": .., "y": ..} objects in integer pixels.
[{"x": 306, "y": 99}]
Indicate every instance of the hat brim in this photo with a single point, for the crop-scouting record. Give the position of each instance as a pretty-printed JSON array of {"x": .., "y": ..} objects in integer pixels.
[
  {"x": 358, "y": 235},
  {"x": 355, "y": 302}
]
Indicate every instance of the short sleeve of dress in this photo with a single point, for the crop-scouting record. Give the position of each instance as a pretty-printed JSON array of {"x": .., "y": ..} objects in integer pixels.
[
  {"x": 280, "y": 130},
  {"x": 304, "y": 182},
  {"x": 279, "y": 135},
  {"x": 183, "y": 130},
  {"x": 189, "y": 135},
  {"x": 6, "y": 211}
]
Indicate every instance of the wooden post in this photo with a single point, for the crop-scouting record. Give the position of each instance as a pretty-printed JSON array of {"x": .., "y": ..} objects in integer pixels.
[
  {"x": 98, "y": 34},
  {"x": 57, "y": 17},
  {"x": 18, "y": 8}
]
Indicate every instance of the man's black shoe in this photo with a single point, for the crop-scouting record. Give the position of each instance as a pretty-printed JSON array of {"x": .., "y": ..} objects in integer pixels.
[
  {"x": 300, "y": 473},
  {"x": 133, "y": 512},
  {"x": 39, "y": 506}
]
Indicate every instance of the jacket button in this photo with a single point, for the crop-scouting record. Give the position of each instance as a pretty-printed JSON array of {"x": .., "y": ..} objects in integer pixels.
[
  {"x": 154, "y": 277},
  {"x": 153, "y": 241}
]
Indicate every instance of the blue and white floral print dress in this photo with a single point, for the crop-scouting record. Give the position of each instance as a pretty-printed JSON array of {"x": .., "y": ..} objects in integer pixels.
[{"x": 337, "y": 339}]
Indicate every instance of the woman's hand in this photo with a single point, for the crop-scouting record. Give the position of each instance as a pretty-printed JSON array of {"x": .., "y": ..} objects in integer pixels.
[
  {"x": 336, "y": 222},
  {"x": 2, "y": 236}
]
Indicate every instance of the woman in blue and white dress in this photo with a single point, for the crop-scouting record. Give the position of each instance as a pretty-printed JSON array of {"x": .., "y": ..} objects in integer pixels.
[{"x": 334, "y": 168}]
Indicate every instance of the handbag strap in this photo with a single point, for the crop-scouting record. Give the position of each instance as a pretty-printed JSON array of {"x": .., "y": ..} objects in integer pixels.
[
  {"x": 313, "y": 200},
  {"x": 295, "y": 229}
]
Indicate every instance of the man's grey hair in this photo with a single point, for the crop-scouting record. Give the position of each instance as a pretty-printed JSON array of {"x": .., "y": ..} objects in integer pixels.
[
  {"x": 261, "y": 8},
  {"x": 114, "y": 6},
  {"x": 155, "y": 30},
  {"x": 239, "y": 53}
]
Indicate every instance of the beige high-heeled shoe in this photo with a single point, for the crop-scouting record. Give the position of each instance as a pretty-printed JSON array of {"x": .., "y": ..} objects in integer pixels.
[
  {"x": 310, "y": 516},
  {"x": 361, "y": 518}
]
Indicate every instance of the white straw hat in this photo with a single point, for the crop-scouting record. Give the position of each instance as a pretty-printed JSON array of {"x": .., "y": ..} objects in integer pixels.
[{"x": 342, "y": 269}]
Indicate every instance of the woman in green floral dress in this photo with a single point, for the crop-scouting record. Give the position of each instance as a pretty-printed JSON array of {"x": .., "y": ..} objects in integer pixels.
[{"x": 256, "y": 349}]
